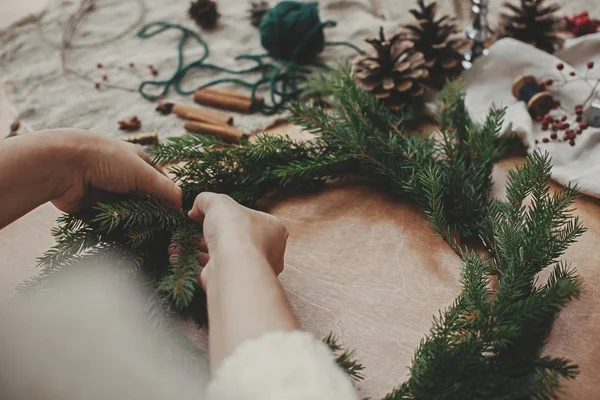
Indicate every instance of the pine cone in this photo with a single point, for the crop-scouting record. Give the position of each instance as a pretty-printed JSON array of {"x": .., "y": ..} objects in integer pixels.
[
  {"x": 204, "y": 13},
  {"x": 392, "y": 70},
  {"x": 533, "y": 23},
  {"x": 257, "y": 11},
  {"x": 438, "y": 42}
]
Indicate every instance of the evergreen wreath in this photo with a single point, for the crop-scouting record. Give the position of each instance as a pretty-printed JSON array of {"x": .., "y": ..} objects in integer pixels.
[{"x": 487, "y": 344}]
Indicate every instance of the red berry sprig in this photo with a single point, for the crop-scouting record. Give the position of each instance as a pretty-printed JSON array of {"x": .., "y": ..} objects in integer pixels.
[{"x": 560, "y": 129}]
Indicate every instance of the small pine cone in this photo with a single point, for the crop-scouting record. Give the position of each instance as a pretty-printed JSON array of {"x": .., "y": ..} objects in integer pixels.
[
  {"x": 257, "y": 11},
  {"x": 439, "y": 40},
  {"x": 204, "y": 13},
  {"x": 532, "y": 23},
  {"x": 392, "y": 70}
]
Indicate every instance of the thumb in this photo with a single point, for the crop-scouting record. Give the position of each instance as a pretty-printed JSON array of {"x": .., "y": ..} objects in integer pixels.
[
  {"x": 201, "y": 205},
  {"x": 158, "y": 185}
]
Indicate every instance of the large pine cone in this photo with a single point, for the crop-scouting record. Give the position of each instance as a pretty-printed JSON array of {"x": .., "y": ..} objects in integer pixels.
[
  {"x": 532, "y": 23},
  {"x": 392, "y": 70},
  {"x": 438, "y": 41}
]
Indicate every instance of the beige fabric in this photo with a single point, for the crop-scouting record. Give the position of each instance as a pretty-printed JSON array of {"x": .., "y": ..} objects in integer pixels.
[
  {"x": 33, "y": 80},
  {"x": 490, "y": 81}
]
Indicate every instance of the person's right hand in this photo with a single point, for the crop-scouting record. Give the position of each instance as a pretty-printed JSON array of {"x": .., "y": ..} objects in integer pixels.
[{"x": 232, "y": 229}]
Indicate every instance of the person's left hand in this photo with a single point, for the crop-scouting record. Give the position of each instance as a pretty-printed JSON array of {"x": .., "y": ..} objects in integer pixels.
[{"x": 97, "y": 164}]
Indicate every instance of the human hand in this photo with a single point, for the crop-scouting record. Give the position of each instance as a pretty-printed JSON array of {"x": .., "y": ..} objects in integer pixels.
[
  {"x": 96, "y": 164},
  {"x": 232, "y": 229}
]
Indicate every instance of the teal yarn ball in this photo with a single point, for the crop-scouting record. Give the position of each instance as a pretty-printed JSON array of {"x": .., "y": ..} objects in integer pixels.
[{"x": 292, "y": 31}]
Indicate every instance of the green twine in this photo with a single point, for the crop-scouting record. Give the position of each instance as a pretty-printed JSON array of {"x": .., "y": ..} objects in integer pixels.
[{"x": 291, "y": 32}]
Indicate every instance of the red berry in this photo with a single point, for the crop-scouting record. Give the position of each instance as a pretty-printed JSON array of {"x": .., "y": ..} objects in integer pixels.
[
  {"x": 572, "y": 73},
  {"x": 553, "y": 136},
  {"x": 549, "y": 82},
  {"x": 154, "y": 72},
  {"x": 579, "y": 118},
  {"x": 545, "y": 140},
  {"x": 563, "y": 118},
  {"x": 557, "y": 103},
  {"x": 578, "y": 131},
  {"x": 544, "y": 127},
  {"x": 565, "y": 125},
  {"x": 547, "y": 118},
  {"x": 560, "y": 66},
  {"x": 572, "y": 142},
  {"x": 104, "y": 77},
  {"x": 541, "y": 86},
  {"x": 538, "y": 118},
  {"x": 579, "y": 111},
  {"x": 579, "y": 106},
  {"x": 97, "y": 85},
  {"x": 566, "y": 137},
  {"x": 590, "y": 64},
  {"x": 570, "y": 133},
  {"x": 131, "y": 65},
  {"x": 99, "y": 65},
  {"x": 583, "y": 125}
]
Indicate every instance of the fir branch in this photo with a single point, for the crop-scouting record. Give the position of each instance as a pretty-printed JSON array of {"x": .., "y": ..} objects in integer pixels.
[
  {"x": 184, "y": 148},
  {"x": 345, "y": 359},
  {"x": 486, "y": 347},
  {"x": 128, "y": 213},
  {"x": 181, "y": 280}
]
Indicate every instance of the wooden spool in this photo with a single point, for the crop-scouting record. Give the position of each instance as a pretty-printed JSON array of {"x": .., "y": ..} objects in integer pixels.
[{"x": 525, "y": 88}]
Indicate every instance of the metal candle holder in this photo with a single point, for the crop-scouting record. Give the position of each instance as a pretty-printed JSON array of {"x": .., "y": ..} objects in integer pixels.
[{"x": 479, "y": 32}]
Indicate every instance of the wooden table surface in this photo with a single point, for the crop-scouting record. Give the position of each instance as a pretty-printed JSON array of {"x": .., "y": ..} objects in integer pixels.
[{"x": 368, "y": 268}]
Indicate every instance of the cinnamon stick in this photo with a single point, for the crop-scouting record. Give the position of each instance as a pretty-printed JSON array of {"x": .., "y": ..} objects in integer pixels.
[
  {"x": 223, "y": 102},
  {"x": 234, "y": 94},
  {"x": 226, "y": 133},
  {"x": 196, "y": 114}
]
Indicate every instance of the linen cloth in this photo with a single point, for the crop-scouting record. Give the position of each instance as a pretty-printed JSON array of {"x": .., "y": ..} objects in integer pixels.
[
  {"x": 490, "y": 82},
  {"x": 31, "y": 74}
]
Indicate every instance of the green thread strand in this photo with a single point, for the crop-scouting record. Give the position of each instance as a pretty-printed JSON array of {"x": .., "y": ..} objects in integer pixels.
[{"x": 287, "y": 22}]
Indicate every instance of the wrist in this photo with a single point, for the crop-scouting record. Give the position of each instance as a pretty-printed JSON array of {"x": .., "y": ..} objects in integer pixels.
[{"x": 227, "y": 264}]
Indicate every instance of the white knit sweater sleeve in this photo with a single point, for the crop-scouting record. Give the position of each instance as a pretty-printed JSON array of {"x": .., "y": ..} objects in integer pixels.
[{"x": 281, "y": 365}]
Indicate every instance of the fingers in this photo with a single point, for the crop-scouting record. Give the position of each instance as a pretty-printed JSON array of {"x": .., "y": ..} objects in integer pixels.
[
  {"x": 203, "y": 258},
  {"x": 202, "y": 203},
  {"x": 139, "y": 150},
  {"x": 201, "y": 244},
  {"x": 152, "y": 182}
]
